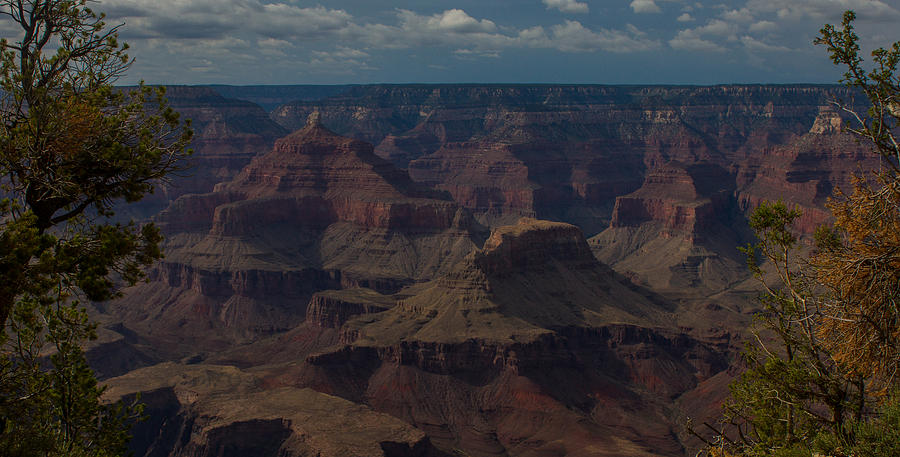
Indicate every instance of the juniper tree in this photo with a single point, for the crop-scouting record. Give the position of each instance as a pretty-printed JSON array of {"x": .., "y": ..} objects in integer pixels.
[
  {"x": 72, "y": 148},
  {"x": 821, "y": 374}
]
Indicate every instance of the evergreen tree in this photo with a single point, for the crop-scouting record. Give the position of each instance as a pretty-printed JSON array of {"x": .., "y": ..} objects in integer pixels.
[
  {"x": 859, "y": 257},
  {"x": 72, "y": 147},
  {"x": 822, "y": 368}
]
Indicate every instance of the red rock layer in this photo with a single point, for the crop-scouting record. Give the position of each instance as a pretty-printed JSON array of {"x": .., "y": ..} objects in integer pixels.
[
  {"x": 685, "y": 200},
  {"x": 678, "y": 231},
  {"x": 318, "y": 212},
  {"x": 316, "y": 178},
  {"x": 807, "y": 171},
  {"x": 529, "y": 347},
  {"x": 567, "y": 152},
  {"x": 227, "y": 134}
]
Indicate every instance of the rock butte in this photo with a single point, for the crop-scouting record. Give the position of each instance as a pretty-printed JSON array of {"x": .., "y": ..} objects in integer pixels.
[
  {"x": 420, "y": 283},
  {"x": 318, "y": 212}
]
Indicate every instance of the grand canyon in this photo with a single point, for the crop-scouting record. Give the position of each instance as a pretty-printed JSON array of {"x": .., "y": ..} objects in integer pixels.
[{"x": 442, "y": 270}]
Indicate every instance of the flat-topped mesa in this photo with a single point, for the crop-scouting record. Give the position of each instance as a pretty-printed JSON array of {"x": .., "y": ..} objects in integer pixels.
[
  {"x": 532, "y": 306},
  {"x": 827, "y": 122},
  {"x": 201, "y": 410},
  {"x": 528, "y": 279},
  {"x": 530, "y": 244},
  {"x": 685, "y": 199},
  {"x": 678, "y": 230},
  {"x": 806, "y": 171}
]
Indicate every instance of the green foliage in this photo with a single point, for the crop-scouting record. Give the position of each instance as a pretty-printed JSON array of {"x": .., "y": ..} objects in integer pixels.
[
  {"x": 792, "y": 390},
  {"x": 50, "y": 398},
  {"x": 830, "y": 326},
  {"x": 881, "y": 86},
  {"x": 72, "y": 147},
  {"x": 878, "y": 436},
  {"x": 859, "y": 263}
]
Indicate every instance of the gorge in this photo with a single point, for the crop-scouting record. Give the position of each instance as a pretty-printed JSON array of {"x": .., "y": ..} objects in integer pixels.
[{"x": 482, "y": 270}]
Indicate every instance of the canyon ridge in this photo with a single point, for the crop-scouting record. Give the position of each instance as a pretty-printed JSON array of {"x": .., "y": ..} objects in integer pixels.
[{"x": 441, "y": 270}]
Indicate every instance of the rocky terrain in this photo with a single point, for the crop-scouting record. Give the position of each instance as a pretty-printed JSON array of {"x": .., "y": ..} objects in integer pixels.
[
  {"x": 318, "y": 212},
  {"x": 567, "y": 152},
  {"x": 207, "y": 411},
  {"x": 461, "y": 269},
  {"x": 227, "y": 134}
]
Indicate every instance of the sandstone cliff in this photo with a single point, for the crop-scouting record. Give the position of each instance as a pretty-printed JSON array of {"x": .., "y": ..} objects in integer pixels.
[
  {"x": 567, "y": 152},
  {"x": 528, "y": 278},
  {"x": 532, "y": 346},
  {"x": 227, "y": 134},
  {"x": 318, "y": 212},
  {"x": 324, "y": 265},
  {"x": 679, "y": 231}
]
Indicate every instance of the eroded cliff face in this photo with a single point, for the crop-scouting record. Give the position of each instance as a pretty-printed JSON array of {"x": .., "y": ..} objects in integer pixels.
[
  {"x": 568, "y": 152},
  {"x": 533, "y": 347},
  {"x": 211, "y": 411},
  {"x": 318, "y": 212},
  {"x": 333, "y": 308},
  {"x": 227, "y": 134},
  {"x": 678, "y": 232},
  {"x": 324, "y": 266}
]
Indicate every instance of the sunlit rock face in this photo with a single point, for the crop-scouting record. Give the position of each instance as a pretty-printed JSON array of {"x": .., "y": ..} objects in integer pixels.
[
  {"x": 526, "y": 342},
  {"x": 479, "y": 270}
]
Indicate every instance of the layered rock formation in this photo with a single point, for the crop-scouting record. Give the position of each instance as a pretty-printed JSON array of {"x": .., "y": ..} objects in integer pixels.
[
  {"x": 567, "y": 152},
  {"x": 318, "y": 212},
  {"x": 227, "y": 134},
  {"x": 333, "y": 308},
  {"x": 527, "y": 279},
  {"x": 209, "y": 411},
  {"x": 807, "y": 170},
  {"x": 532, "y": 347},
  {"x": 679, "y": 231},
  {"x": 324, "y": 265}
]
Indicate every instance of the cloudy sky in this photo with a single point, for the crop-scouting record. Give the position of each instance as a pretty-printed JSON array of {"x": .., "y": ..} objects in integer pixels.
[{"x": 553, "y": 41}]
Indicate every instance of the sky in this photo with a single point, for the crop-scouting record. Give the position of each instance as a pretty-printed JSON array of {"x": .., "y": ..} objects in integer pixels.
[{"x": 488, "y": 41}]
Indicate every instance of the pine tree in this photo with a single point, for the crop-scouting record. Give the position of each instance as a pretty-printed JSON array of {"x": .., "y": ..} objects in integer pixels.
[{"x": 72, "y": 147}]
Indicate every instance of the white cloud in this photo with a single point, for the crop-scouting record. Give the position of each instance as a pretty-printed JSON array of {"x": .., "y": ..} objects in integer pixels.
[
  {"x": 231, "y": 35},
  {"x": 755, "y": 45},
  {"x": 645, "y": 6},
  {"x": 457, "y": 21},
  {"x": 819, "y": 10},
  {"x": 717, "y": 27},
  {"x": 449, "y": 28},
  {"x": 482, "y": 38},
  {"x": 742, "y": 15},
  {"x": 763, "y": 26},
  {"x": 687, "y": 40},
  {"x": 475, "y": 53},
  {"x": 572, "y": 36},
  {"x": 567, "y": 6},
  {"x": 204, "y": 19},
  {"x": 708, "y": 38}
]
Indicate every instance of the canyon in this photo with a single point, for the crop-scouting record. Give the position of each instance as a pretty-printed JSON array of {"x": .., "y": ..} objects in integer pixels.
[{"x": 483, "y": 270}]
